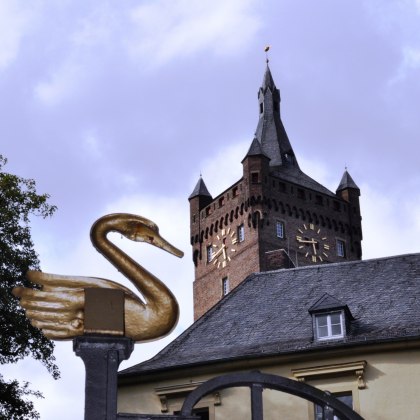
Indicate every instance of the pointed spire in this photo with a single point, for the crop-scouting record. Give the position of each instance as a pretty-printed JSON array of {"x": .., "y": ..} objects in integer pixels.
[
  {"x": 268, "y": 81},
  {"x": 270, "y": 130},
  {"x": 200, "y": 190},
  {"x": 347, "y": 182},
  {"x": 255, "y": 149}
]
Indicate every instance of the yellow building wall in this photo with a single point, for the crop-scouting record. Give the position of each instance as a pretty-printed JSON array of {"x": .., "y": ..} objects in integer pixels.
[{"x": 389, "y": 389}]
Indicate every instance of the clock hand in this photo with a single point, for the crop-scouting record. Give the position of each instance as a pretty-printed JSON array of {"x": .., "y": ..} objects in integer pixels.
[
  {"x": 219, "y": 251},
  {"x": 313, "y": 244},
  {"x": 224, "y": 253},
  {"x": 307, "y": 242}
]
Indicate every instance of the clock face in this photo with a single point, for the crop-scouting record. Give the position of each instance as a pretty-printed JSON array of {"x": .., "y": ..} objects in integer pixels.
[
  {"x": 312, "y": 242},
  {"x": 223, "y": 248}
]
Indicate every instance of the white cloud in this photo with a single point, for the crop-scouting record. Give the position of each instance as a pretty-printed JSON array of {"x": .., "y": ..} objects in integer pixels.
[
  {"x": 83, "y": 50},
  {"x": 410, "y": 61},
  {"x": 222, "y": 170},
  {"x": 167, "y": 29},
  {"x": 15, "y": 17},
  {"x": 391, "y": 224},
  {"x": 91, "y": 145},
  {"x": 61, "y": 83}
]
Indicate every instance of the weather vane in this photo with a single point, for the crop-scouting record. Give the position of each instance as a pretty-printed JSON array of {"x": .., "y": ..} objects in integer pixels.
[{"x": 266, "y": 49}]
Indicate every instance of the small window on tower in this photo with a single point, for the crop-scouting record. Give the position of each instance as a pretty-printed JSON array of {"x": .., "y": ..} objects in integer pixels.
[
  {"x": 276, "y": 106},
  {"x": 225, "y": 286},
  {"x": 209, "y": 253},
  {"x": 255, "y": 177},
  {"x": 318, "y": 200},
  {"x": 280, "y": 229},
  {"x": 341, "y": 248},
  {"x": 241, "y": 233},
  {"x": 261, "y": 108},
  {"x": 282, "y": 187}
]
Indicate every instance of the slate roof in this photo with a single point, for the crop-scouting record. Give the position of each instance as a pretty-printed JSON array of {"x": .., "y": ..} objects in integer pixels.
[
  {"x": 200, "y": 189},
  {"x": 347, "y": 182},
  {"x": 298, "y": 177},
  {"x": 255, "y": 149},
  {"x": 270, "y": 131},
  {"x": 268, "y": 81},
  {"x": 267, "y": 314}
]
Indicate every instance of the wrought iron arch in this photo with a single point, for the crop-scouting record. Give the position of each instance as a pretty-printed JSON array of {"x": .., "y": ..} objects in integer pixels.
[{"x": 257, "y": 381}]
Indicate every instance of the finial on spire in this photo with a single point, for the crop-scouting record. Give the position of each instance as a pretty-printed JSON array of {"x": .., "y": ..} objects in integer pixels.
[{"x": 266, "y": 49}]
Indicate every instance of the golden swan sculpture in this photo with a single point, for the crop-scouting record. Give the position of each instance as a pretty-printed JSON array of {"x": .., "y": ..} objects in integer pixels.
[{"x": 58, "y": 308}]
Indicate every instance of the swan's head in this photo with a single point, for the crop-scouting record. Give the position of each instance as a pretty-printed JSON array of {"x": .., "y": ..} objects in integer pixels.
[
  {"x": 133, "y": 227},
  {"x": 140, "y": 229}
]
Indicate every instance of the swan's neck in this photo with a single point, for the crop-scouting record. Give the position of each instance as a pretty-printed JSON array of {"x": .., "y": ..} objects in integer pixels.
[{"x": 147, "y": 284}]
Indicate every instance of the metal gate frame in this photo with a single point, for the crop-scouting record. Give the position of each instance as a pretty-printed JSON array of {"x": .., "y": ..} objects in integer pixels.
[{"x": 257, "y": 381}]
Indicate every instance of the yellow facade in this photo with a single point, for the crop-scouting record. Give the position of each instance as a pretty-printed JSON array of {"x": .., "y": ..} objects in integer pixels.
[{"x": 383, "y": 380}]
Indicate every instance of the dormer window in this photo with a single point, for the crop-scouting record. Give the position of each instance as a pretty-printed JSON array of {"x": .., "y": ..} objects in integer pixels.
[
  {"x": 329, "y": 326},
  {"x": 331, "y": 318}
]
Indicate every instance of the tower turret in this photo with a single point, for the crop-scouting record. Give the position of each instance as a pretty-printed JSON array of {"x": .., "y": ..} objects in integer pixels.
[{"x": 350, "y": 192}]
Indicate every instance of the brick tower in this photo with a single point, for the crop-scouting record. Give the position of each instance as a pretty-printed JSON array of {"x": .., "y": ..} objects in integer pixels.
[{"x": 274, "y": 217}]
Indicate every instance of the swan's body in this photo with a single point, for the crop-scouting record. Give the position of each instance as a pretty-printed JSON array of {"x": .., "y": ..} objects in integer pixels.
[{"x": 58, "y": 308}]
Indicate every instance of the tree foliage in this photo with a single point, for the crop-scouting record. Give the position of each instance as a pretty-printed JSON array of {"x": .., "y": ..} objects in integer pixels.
[{"x": 18, "y": 338}]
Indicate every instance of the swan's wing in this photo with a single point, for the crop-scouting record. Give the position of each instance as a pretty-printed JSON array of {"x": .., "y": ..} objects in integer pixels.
[{"x": 58, "y": 282}]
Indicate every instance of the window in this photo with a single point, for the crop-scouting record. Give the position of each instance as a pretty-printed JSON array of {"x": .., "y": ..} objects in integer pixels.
[
  {"x": 329, "y": 326},
  {"x": 328, "y": 414},
  {"x": 336, "y": 206},
  {"x": 341, "y": 248},
  {"x": 280, "y": 229},
  {"x": 255, "y": 177},
  {"x": 209, "y": 253},
  {"x": 235, "y": 192},
  {"x": 201, "y": 413},
  {"x": 241, "y": 233},
  {"x": 221, "y": 201},
  {"x": 318, "y": 200},
  {"x": 225, "y": 286},
  {"x": 208, "y": 211},
  {"x": 261, "y": 108},
  {"x": 282, "y": 187},
  {"x": 301, "y": 193}
]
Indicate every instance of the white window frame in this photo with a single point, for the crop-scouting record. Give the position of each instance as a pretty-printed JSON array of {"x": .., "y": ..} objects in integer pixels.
[
  {"x": 341, "y": 248},
  {"x": 318, "y": 410},
  {"x": 241, "y": 233},
  {"x": 209, "y": 250},
  {"x": 225, "y": 286},
  {"x": 329, "y": 325},
  {"x": 280, "y": 229}
]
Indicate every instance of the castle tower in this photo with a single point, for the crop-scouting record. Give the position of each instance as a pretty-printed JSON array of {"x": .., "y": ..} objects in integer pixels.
[{"x": 274, "y": 217}]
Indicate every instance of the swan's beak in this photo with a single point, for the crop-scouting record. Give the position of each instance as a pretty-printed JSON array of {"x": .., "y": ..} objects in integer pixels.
[
  {"x": 152, "y": 237},
  {"x": 158, "y": 241}
]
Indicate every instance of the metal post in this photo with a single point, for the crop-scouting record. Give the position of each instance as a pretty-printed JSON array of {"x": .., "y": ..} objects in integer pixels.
[
  {"x": 102, "y": 355},
  {"x": 256, "y": 402}
]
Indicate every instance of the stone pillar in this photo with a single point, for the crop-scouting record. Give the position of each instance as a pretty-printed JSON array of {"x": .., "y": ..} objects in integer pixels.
[{"x": 102, "y": 355}]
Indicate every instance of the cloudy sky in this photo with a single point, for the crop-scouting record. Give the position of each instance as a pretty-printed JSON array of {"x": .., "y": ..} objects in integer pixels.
[{"x": 120, "y": 105}]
